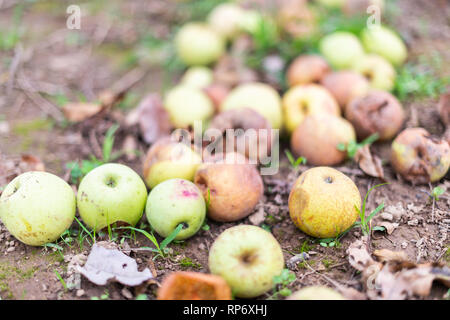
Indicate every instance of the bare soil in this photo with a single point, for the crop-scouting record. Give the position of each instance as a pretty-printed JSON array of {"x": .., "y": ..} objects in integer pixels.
[{"x": 56, "y": 60}]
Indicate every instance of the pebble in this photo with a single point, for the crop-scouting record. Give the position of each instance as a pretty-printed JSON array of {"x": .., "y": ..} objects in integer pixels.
[
  {"x": 404, "y": 245},
  {"x": 10, "y": 249},
  {"x": 201, "y": 246},
  {"x": 127, "y": 294},
  {"x": 80, "y": 293}
]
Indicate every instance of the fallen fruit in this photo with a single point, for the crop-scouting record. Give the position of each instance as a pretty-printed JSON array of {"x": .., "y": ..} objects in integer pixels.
[
  {"x": 376, "y": 112},
  {"x": 187, "y": 105},
  {"x": 111, "y": 193},
  {"x": 197, "y": 77},
  {"x": 386, "y": 43},
  {"x": 318, "y": 136},
  {"x": 168, "y": 159},
  {"x": 303, "y": 100},
  {"x": 259, "y": 97},
  {"x": 251, "y": 135},
  {"x": 341, "y": 49},
  {"x": 345, "y": 85},
  {"x": 247, "y": 257},
  {"x": 307, "y": 69},
  {"x": 296, "y": 18},
  {"x": 183, "y": 285},
  {"x": 377, "y": 70},
  {"x": 232, "y": 191},
  {"x": 37, "y": 207},
  {"x": 174, "y": 202},
  {"x": 199, "y": 44},
  {"x": 226, "y": 19},
  {"x": 316, "y": 293},
  {"x": 420, "y": 158},
  {"x": 323, "y": 202}
]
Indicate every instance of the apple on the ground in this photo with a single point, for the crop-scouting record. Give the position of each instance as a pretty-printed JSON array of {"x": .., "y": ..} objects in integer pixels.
[
  {"x": 247, "y": 257},
  {"x": 174, "y": 202},
  {"x": 111, "y": 193},
  {"x": 37, "y": 207}
]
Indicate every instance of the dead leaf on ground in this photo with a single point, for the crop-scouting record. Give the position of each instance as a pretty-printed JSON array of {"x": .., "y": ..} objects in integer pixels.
[
  {"x": 79, "y": 111},
  {"x": 106, "y": 263},
  {"x": 369, "y": 163},
  {"x": 11, "y": 167},
  {"x": 152, "y": 118},
  {"x": 393, "y": 277}
]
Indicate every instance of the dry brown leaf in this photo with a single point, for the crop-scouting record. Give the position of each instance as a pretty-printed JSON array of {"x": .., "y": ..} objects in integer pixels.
[
  {"x": 369, "y": 163},
  {"x": 12, "y": 167},
  {"x": 388, "y": 255},
  {"x": 358, "y": 256},
  {"x": 152, "y": 118},
  {"x": 79, "y": 111}
]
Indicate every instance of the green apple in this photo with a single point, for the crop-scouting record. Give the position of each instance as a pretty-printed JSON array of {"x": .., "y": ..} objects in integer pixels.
[
  {"x": 380, "y": 72},
  {"x": 186, "y": 105},
  {"x": 167, "y": 159},
  {"x": 386, "y": 43},
  {"x": 226, "y": 19},
  {"x": 111, "y": 193},
  {"x": 316, "y": 293},
  {"x": 173, "y": 202},
  {"x": 247, "y": 257},
  {"x": 341, "y": 49},
  {"x": 303, "y": 100},
  {"x": 199, "y": 44},
  {"x": 251, "y": 20},
  {"x": 259, "y": 97},
  {"x": 198, "y": 77},
  {"x": 332, "y": 3},
  {"x": 37, "y": 207}
]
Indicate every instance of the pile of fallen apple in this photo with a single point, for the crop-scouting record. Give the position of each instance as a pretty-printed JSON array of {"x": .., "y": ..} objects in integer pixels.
[{"x": 335, "y": 98}]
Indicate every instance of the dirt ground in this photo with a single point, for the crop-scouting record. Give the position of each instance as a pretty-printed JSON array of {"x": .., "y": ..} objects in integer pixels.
[{"x": 52, "y": 62}]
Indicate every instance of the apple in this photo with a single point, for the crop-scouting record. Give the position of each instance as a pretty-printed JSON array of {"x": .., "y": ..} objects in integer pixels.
[
  {"x": 37, "y": 207},
  {"x": 259, "y": 97},
  {"x": 316, "y": 293},
  {"x": 297, "y": 18},
  {"x": 232, "y": 190},
  {"x": 303, "y": 100},
  {"x": 307, "y": 69},
  {"x": 198, "y": 77},
  {"x": 376, "y": 112},
  {"x": 318, "y": 136},
  {"x": 420, "y": 158},
  {"x": 247, "y": 257},
  {"x": 173, "y": 202},
  {"x": 377, "y": 70},
  {"x": 199, "y": 44},
  {"x": 111, "y": 193},
  {"x": 331, "y": 3},
  {"x": 226, "y": 19},
  {"x": 184, "y": 285},
  {"x": 323, "y": 202},
  {"x": 345, "y": 85},
  {"x": 386, "y": 43},
  {"x": 186, "y": 105},
  {"x": 256, "y": 139},
  {"x": 251, "y": 21},
  {"x": 168, "y": 159},
  {"x": 341, "y": 49}
]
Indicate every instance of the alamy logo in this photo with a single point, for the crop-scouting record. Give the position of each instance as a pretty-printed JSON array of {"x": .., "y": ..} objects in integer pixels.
[
  {"x": 374, "y": 20},
  {"x": 74, "y": 19}
]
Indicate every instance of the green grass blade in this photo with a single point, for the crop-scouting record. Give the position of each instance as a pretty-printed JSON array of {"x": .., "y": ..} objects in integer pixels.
[{"x": 171, "y": 236}]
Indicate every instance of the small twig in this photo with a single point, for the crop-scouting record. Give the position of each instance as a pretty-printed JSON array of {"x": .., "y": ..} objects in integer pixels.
[
  {"x": 95, "y": 146},
  {"x": 14, "y": 66}
]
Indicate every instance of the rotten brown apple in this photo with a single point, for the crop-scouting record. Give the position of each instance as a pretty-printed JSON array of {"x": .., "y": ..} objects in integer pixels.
[{"x": 307, "y": 69}]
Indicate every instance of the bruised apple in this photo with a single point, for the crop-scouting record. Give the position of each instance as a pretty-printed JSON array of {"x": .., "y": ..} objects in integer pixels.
[
  {"x": 303, "y": 100},
  {"x": 323, "y": 202},
  {"x": 37, "y": 207},
  {"x": 232, "y": 189},
  {"x": 345, "y": 85},
  {"x": 174, "y": 202},
  {"x": 318, "y": 136},
  {"x": 168, "y": 159},
  {"x": 420, "y": 158},
  {"x": 184, "y": 285},
  {"x": 217, "y": 94},
  {"x": 250, "y": 133},
  {"x": 307, "y": 69},
  {"x": 376, "y": 112}
]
